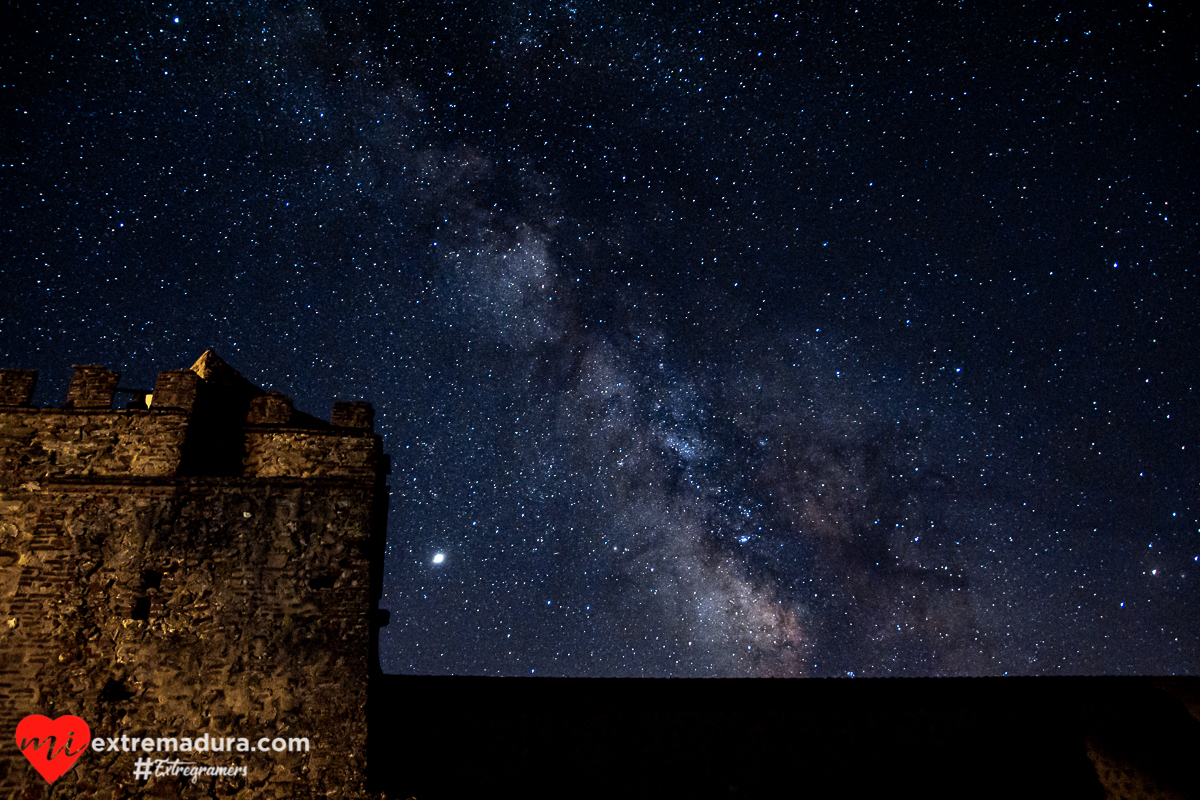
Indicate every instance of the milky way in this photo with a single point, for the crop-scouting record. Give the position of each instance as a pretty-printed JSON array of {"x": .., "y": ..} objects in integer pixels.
[
  {"x": 715, "y": 514},
  {"x": 715, "y": 342}
]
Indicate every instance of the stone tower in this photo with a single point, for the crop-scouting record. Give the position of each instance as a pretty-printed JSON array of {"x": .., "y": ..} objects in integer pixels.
[{"x": 206, "y": 561}]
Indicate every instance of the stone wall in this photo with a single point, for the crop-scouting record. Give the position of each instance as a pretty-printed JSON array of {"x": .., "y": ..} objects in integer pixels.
[
  {"x": 153, "y": 601},
  {"x": 46, "y": 444},
  {"x": 309, "y": 454}
]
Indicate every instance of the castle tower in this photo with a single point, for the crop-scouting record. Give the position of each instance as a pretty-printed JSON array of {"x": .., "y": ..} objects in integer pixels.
[{"x": 207, "y": 561}]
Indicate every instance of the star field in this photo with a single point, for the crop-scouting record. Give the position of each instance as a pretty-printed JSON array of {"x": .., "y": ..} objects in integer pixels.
[{"x": 717, "y": 341}]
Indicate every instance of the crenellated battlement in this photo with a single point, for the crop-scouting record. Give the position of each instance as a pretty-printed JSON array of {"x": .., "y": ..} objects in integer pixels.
[
  {"x": 206, "y": 559},
  {"x": 202, "y": 420}
]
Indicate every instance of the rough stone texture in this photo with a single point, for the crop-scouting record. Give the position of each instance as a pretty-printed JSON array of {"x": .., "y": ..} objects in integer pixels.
[
  {"x": 310, "y": 454},
  {"x": 41, "y": 443},
  {"x": 353, "y": 415},
  {"x": 152, "y": 598},
  {"x": 175, "y": 389},
  {"x": 17, "y": 385},
  {"x": 272, "y": 408},
  {"x": 92, "y": 387}
]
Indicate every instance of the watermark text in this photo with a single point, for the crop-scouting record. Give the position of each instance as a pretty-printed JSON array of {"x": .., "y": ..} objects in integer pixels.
[
  {"x": 143, "y": 768},
  {"x": 200, "y": 744}
]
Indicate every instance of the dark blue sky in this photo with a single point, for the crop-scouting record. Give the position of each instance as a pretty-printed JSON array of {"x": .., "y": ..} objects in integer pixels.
[{"x": 716, "y": 341}]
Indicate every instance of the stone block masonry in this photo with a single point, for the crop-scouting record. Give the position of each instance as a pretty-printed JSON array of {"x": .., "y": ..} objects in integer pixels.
[
  {"x": 209, "y": 564},
  {"x": 92, "y": 387},
  {"x": 16, "y": 386}
]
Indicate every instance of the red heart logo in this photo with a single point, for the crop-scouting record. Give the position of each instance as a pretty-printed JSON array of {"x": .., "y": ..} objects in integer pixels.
[{"x": 50, "y": 744}]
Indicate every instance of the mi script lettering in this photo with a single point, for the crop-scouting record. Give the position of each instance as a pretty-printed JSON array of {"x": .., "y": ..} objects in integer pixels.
[{"x": 49, "y": 744}]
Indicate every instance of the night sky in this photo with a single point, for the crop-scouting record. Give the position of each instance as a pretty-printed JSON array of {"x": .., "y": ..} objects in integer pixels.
[{"x": 859, "y": 339}]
